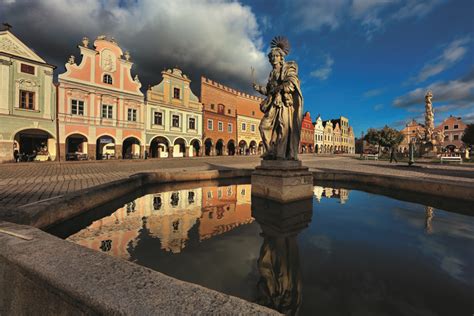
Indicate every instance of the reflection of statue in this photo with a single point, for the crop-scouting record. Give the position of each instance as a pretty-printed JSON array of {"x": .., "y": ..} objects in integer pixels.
[
  {"x": 429, "y": 116},
  {"x": 429, "y": 213},
  {"x": 280, "y": 127},
  {"x": 280, "y": 283}
]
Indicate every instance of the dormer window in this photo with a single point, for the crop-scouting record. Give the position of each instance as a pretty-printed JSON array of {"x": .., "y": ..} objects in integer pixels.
[
  {"x": 107, "y": 79},
  {"x": 176, "y": 93}
]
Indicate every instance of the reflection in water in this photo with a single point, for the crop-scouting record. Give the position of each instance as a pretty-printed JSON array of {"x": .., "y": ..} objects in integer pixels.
[
  {"x": 429, "y": 214},
  {"x": 342, "y": 194},
  {"x": 279, "y": 262},
  {"x": 169, "y": 216}
]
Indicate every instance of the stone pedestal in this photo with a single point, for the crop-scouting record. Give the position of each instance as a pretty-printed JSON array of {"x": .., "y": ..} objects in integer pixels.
[{"x": 282, "y": 181}]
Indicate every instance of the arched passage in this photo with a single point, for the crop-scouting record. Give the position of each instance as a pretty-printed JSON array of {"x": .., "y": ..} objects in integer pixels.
[
  {"x": 209, "y": 147},
  {"x": 131, "y": 148},
  {"x": 34, "y": 144},
  {"x": 105, "y": 147},
  {"x": 231, "y": 147},
  {"x": 242, "y": 147},
  {"x": 253, "y": 147},
  {"x": 220, "y": 147},
  {"x": 179, "y": 147},
  {"x": 195, "y": 148},
  {"x": 159, "y": 147},
  {"x": 76, "y": 147}
]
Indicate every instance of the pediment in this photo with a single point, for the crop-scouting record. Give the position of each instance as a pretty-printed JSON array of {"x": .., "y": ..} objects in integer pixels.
[{"x": 10, "y": 44}]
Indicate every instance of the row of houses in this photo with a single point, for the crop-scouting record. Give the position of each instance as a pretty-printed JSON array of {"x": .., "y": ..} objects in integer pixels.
[{"x": 97, "y": 110}]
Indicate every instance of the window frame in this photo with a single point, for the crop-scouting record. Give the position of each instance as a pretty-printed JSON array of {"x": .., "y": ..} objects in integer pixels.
[
  {"x": 132, "y": 115},
  {"x": 155, "y": 117},
  {"x": 173, "y": 116},
  {"x": 230, "y": 127},
  {"x": 77, "y": 106},
  {"x": 30, "y": 103},
  {"x": 176, "y": 89},
  {"x": 109, "y": 114},
  {"x": 108, "y": 76},
  {"x": 220, "y": 126},
  {"x": 212, "y": 124},
  {"x": 193, "y": 121}
]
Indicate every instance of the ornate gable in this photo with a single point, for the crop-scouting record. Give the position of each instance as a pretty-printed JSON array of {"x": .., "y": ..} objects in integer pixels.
[{"x": 10, "y": 44}]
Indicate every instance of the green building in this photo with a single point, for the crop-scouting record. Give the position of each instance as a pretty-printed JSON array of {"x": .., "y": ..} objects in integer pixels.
[{"x": 27, "y": 102}]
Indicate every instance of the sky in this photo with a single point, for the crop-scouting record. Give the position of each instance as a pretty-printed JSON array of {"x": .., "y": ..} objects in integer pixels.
[{"x": 369, "y": 60}]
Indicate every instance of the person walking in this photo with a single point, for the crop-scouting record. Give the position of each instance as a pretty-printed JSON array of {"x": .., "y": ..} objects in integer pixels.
[{"x": 393, "y": 155}]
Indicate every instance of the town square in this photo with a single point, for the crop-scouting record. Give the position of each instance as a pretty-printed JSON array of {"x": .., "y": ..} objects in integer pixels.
[{"x": 215, "y": 157}]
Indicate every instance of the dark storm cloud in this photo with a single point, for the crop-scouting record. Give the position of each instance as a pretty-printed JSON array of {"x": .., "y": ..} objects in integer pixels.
[{"x": 216, "y": 38}]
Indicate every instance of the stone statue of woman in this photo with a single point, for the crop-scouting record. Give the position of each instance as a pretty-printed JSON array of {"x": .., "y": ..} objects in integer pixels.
[{"x": 280, "y": 126}]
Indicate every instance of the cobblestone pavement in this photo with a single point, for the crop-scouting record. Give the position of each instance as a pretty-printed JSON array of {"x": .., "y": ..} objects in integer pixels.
[{"x": 26, "y": 183}]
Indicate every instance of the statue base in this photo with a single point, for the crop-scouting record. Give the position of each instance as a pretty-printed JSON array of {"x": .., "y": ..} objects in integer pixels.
[{"x": 282, "y": 181}]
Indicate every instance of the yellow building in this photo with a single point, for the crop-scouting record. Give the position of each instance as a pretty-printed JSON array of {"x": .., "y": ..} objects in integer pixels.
[
  {"x": 337, "y": 138},
  {"x": 328, "y": 143},
  {"x": 248, "y": 136}
]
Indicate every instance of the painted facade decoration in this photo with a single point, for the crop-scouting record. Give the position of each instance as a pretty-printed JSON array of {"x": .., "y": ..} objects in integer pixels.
[
  {"x": 101, "y": 109},
  {"x": 27, "y": 103},
  {"x": 307, "y": 134},
  {"x": 174, "y": 117}
]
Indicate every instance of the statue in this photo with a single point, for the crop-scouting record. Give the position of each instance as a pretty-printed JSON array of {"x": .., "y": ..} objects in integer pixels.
[
  {"x": 71, "y": 59},
  {"x": 429, "y": 116},
  {"x": 280, "y": 127}
]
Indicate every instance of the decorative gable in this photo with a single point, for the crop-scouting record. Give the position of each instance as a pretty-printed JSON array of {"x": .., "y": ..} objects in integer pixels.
[{"x": 10, "y": 44}]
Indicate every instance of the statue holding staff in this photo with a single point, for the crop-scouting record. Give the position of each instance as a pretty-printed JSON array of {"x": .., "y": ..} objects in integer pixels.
[{"x": 280, "y": 127}]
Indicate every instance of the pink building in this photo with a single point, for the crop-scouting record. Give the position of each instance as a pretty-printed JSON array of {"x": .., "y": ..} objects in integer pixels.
[
  {"x": 453, "y": 128},
  {"x": 100, "y": 105}
]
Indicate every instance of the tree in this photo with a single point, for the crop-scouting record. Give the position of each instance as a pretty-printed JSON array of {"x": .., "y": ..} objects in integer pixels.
[
  {"x": 390, "y": 137},
  {"x": 468, "y": 136},
  {"x": 372, "y": 136}
]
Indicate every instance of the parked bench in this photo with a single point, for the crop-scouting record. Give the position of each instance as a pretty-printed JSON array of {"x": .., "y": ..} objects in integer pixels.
[
  {"x": 371, "y": 156},
  {"x": 451, "y": 159}
]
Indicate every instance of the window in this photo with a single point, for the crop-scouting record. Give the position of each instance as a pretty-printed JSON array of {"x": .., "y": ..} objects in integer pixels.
[
  {"x": 219, "y": 194},
  {"x": 107, "y": 111},
  {"x": 221, "y": 108},
  {"x": 27, "y": 69},
  {"x": 456, "y": 137},
  {"x": 229, "y": 111},
  {"x": 156, "y": 203},
  {"x": 456, "y": 126},
  {"x": 446, "y": 138},
  {"x": 191, "y": 197},
  {"x": 212, "y": 106},
  {"x": 132, "y": 115},
  {"x": 446, "y": 127},
  {"x": 209, "y": 194},
  {"x": 107, "y": 79},
  {"x": 192, "y": 123},
  {"x": 253, "y": 113},
  {"x": 158, "y": 118},
  {"x": 244, "y": 126},
  {"x": 252, "y": 127},
  {"x": 174, "y": 199},
  {"x": 175, "y": 121},
  {"x": 77, "y": 107},
  {"x": 220, "y": 126},
  {"x": 229, "y": 127},
  {"x": 27, "y": 100},
  {"x": 176, "y": 93},
  {"x": 209, "y": 125}
]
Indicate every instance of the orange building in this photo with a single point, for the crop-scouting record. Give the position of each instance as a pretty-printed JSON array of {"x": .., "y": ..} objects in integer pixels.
[
  {"x": 100, "y": 108},
  {"x": 413, "y": 131},
  {"x": 230, "y": 120},
  {"x": 453, "y": 129},
  {"x": 307, "y": 134}
]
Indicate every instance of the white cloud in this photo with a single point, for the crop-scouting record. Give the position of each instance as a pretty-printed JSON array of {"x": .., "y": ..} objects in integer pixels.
[
  {"x": 453, "y": 53},
  {"x": 378, "y": 107},
  {"x": 325, "y": 70},
  {"x": 459, "y": 91},
  {"x": 217, "y": 38},
  {"x": 373, "y": 93}
]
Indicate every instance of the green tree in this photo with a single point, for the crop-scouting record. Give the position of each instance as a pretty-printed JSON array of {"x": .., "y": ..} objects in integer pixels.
[
  {"x": 468, "y": 136},
  {"x": 372, "y": 136},
  {"x": 390, "y": 137}
]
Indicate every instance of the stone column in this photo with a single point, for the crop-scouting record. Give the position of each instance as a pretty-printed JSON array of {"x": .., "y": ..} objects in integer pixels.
[
  {"x": 170, "y": 151},
  {"x": 118, "y": 151},
  {"x": 186, "y": 151},
  {"x": 224, "y": 150},
  {"x": 91, "y": 151}
]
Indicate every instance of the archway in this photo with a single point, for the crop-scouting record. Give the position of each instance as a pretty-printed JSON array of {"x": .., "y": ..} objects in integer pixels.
[
  {"x": 196, "y": 147},
  {"x": 451, "y": 148},
  {"x": 253, "y": 147},
  {"x": 242, "y": 147},
  {"x": 34, "y": 145},
  {"x": 316, "y": 149},
  {"x": 159, "y": 147},
  {"x": 105, "y": 147},
  {"x": 220, "y": 147},
  {"x": 179, "y": 147},
  {"x": 131, "y": 148},
  {"x": 76, "y": 147},
  {"x": 231, "y": 148},
  {"x": 208, "y": 147}
]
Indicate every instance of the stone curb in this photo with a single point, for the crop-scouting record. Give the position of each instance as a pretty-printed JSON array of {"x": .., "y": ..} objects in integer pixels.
[{"x": 50, "y": 276}]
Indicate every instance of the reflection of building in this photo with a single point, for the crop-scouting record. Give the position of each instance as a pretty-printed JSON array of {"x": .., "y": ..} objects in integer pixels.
[
  {"x": 174, "y": 117},
  {"x": 307, "y": 134},
  {"x": 453, "y": 128},
  {"x": 169, "y": 216},
  {"x": 27, "y": 102},
  {"x": 342, "y": 194},
  {"x": 101, "y": 110}
]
